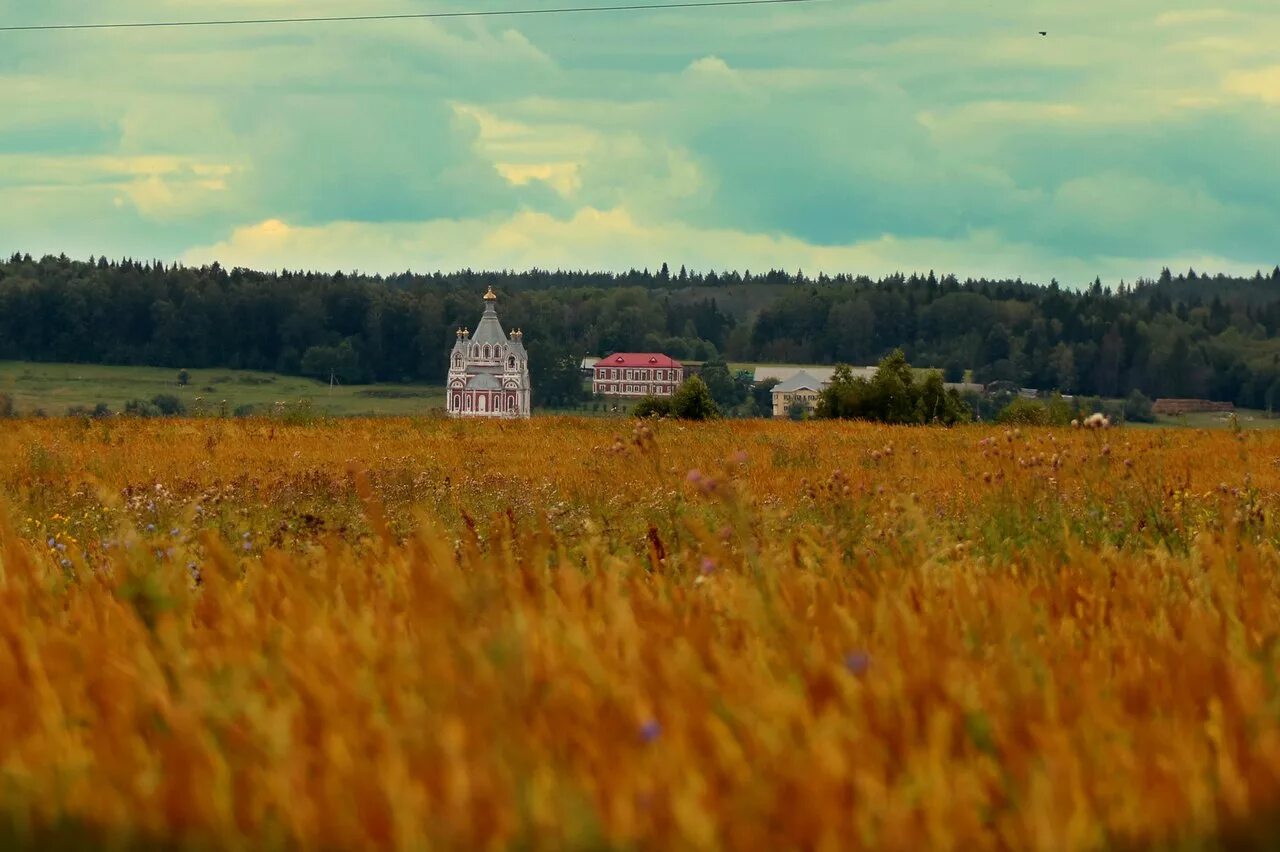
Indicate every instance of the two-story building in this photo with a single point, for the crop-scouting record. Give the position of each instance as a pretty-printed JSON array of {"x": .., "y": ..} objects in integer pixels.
[
  {"x": 800, "y": 389},
  {"x": 636, "y": 374}
]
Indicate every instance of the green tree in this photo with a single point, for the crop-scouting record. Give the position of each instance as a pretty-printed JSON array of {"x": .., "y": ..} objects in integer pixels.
[
  {"x": 724, "y": 390},
  {"x": 762, "y": 396},
  {"x": 340, "y": 362},
  {"x": 693, "y": 401},
  {"x": 556, "y": 376}
]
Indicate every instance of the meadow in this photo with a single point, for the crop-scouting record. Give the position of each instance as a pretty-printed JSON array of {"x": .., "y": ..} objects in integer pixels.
[
  {"x": 55, "y": 388},
  {"x": 582, "y": 634}
]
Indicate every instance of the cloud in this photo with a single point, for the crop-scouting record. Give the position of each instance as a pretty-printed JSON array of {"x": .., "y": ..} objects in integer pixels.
[
  {"x": 891, "y": 133},
  {"x": 617, "y": 240},
  {"x": 1261, "y": 83}
]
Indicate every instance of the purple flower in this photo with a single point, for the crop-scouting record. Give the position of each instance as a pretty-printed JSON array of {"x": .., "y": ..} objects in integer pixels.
[
  {"x": 708, "y": 565},
  {"x": 151, "y": 527},
  {"x": 53, "y": 542},
  {"x": 650, "y": 731},
  {"x": 857, "y": 662}
]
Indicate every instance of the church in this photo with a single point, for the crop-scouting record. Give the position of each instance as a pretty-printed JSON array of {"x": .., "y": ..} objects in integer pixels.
[{"x": 488, "y": 371}]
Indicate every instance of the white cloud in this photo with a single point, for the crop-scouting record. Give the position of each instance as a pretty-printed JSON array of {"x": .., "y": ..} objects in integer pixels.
[
  {"x": 156, "y": 185},
  {"x": 1261, "y": 83},
  {"x": 617, "y": 240}
]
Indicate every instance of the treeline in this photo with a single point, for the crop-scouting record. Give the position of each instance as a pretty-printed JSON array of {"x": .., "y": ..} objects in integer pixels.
[{"x": 1175, "y": 335}]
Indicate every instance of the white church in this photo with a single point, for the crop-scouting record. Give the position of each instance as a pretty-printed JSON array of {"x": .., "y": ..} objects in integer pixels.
[{"x": 488, "y": 371}]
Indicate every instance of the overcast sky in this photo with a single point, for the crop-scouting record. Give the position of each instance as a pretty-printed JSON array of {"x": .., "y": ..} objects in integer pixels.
[{"x": 863, "y": 137}]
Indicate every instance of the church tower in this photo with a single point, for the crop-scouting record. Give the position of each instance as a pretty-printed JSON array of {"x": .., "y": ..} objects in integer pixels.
[{"x": 488, "y": 369}]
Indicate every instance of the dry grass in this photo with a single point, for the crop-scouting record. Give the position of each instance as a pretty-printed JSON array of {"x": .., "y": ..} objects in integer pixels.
[{"x": 539, "y": 635}]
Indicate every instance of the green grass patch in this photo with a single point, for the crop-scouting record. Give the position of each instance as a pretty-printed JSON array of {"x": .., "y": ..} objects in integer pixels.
[{"x": 55, "y": 388}]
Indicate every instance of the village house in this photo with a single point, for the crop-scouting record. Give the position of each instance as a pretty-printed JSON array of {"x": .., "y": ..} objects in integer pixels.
[
  {"x": 488, "y": 370},
  {"x": 801, "y": 388},
  {"x": 636, "y": 374}
]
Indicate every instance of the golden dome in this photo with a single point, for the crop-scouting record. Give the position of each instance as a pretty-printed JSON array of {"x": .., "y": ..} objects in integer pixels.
[{"x": 491, "y": 296}]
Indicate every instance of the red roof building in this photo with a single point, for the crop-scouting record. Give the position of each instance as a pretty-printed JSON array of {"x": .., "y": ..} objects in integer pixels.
[{"x": 637, "y": 374}]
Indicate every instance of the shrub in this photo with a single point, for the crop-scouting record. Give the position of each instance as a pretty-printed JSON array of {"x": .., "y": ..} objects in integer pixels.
[
  {"x": 184, "y": 378},
  {"x": 653, "y": 406},
  {"x": 1024, "y": 412},
  {"x": 168, "y": 404},
  {"x": 6, "y": 405},
  {"x": 1137, "y": 408},
  {"x": 141, "y": 408}
]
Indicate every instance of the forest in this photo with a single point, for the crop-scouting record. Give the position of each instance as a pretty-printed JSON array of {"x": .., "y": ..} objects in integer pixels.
[{"x": 1177, "y": 334}]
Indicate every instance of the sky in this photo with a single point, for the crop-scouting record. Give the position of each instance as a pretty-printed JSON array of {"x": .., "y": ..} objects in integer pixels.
[{"x": 833, "y": 136}]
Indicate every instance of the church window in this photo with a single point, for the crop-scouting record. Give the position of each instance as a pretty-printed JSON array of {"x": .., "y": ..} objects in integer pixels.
[
  {"x": 511, "y": 362},
  {"x": 486, "y": 350}
]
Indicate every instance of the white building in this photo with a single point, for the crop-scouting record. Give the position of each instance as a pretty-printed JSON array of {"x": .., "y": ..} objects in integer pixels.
[
  {"x": 800, "y": 388},
  {"x": 488, "y": 371}
]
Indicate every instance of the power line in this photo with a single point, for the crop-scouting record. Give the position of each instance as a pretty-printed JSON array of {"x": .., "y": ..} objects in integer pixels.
[{"x": 489, "y": 13}]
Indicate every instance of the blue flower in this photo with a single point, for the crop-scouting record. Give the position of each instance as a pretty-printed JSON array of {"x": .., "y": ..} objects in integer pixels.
[
  {"x": 857, "y": 662},
  {"x": 650, "y": 731}
]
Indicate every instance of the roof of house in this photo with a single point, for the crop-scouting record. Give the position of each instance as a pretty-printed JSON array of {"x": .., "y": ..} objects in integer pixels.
[
  {"x": 800, "y": 381},
  {"x": 638, "y": 359},
  {"x": 765, "y": 373}
]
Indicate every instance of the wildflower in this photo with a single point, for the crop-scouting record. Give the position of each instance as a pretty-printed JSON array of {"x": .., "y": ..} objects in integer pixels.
[
  {"x": 650, "y": 731},
  {"x": 857, "y": 662},
  {"x": 708, "y": 565},
  {"x": 52, "y": 542},
  {"x": 174, "y": 531},
  {"x": 151, "y": 528}
]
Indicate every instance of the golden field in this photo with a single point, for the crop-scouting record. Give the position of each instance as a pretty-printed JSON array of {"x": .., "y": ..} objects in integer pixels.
[{"x": 553, "y": 634}]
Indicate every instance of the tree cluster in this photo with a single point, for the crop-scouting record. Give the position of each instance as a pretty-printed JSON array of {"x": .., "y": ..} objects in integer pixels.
[
  {"x": 891, "y": 395},
  {"x": 1185, "y": 335}
]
